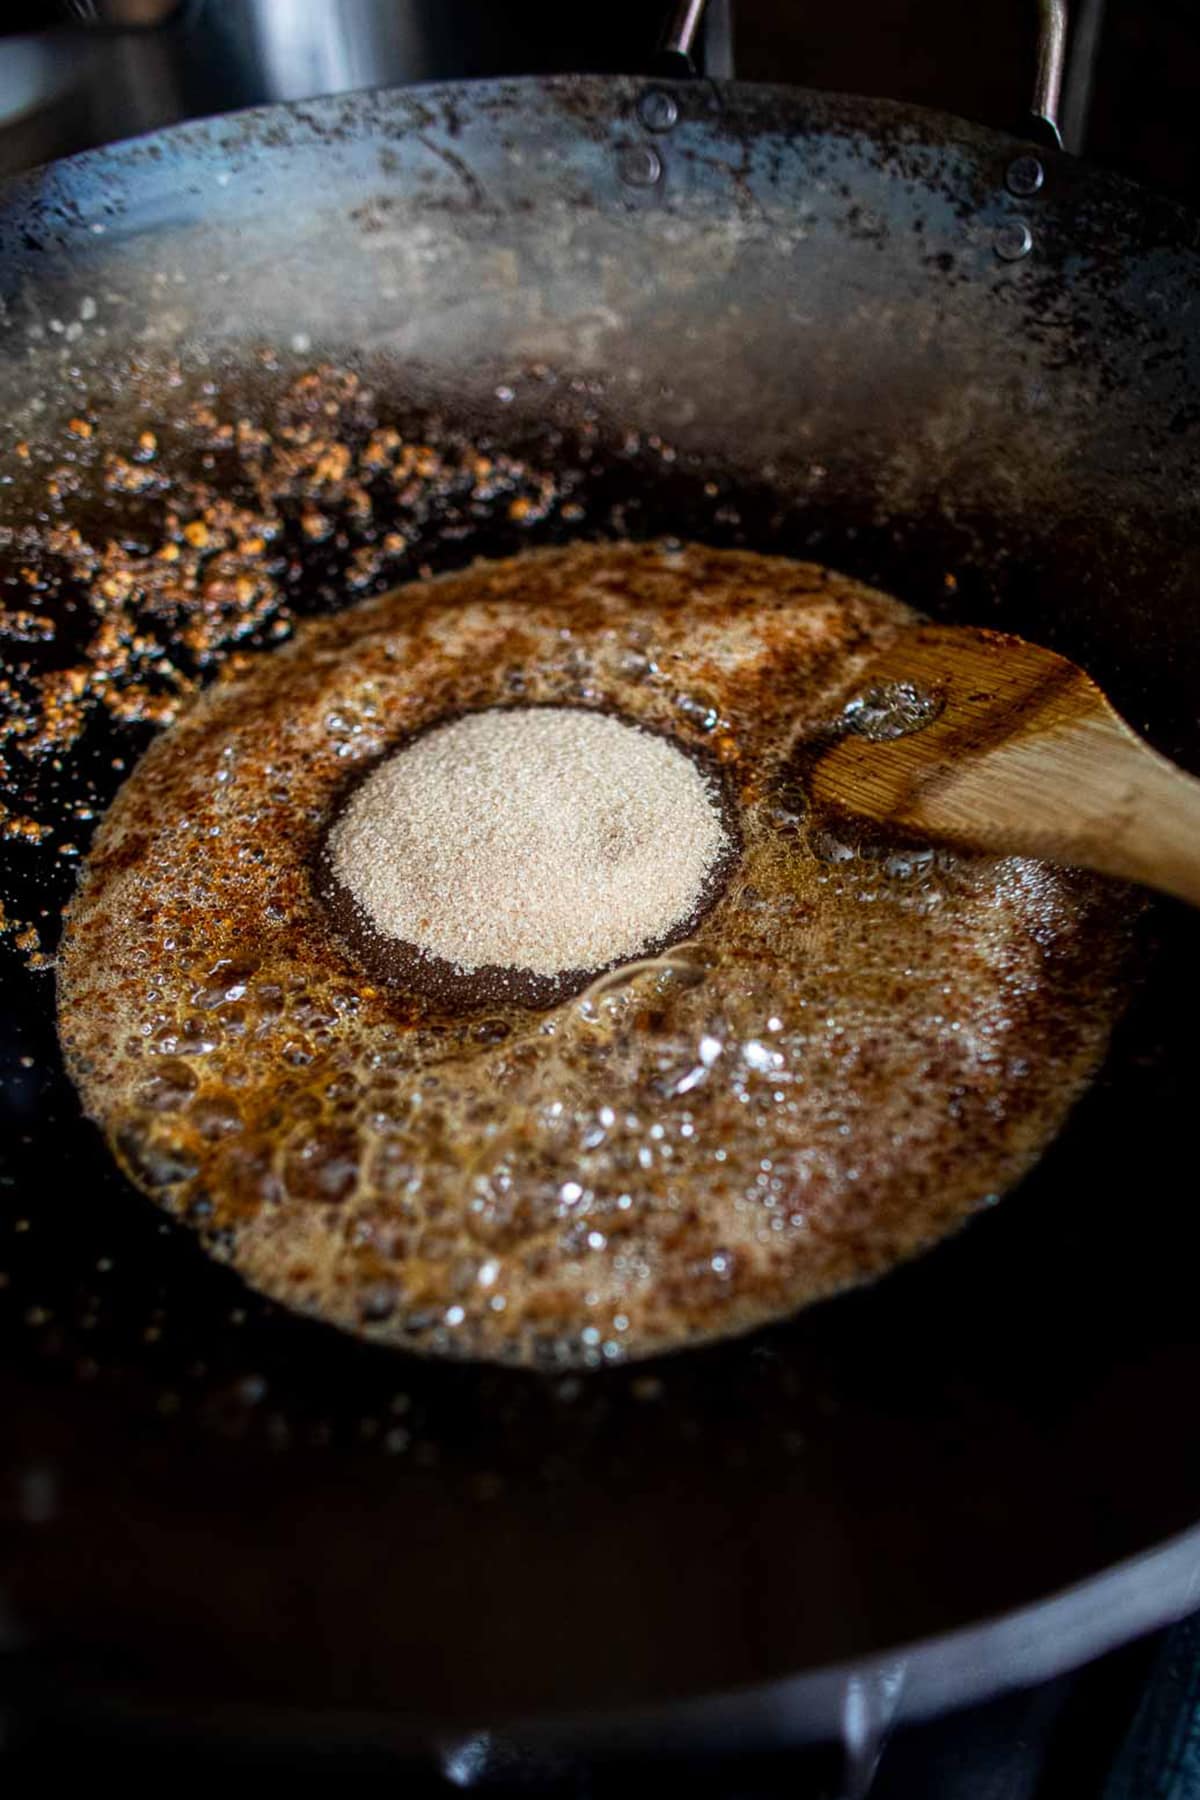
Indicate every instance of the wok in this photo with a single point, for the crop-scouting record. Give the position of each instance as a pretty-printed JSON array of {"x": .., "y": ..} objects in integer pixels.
[{"x": 752, "y": 316}]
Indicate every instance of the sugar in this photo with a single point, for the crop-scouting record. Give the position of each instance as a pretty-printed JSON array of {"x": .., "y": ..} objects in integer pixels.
[{"x": 541, "y": 838}]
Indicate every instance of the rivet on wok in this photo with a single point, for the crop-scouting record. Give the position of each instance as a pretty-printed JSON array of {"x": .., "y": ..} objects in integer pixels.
[
  {"x": 658, "y": 110},
  {"x": 1013, "y": 240},
  {"x": 639, "y": 166},
  {"x": 1025, "y": 176}
]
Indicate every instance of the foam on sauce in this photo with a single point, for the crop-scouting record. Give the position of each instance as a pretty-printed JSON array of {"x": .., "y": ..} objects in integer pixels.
[{"x": 860, "y": 1042}]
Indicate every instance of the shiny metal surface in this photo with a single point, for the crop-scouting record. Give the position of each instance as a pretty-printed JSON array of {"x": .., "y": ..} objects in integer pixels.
[
  {"x": 798, "y": 337},
  {"x": 131, "y": 66},
  {"x": 1051, "y": 61},
  {"x": 681, "y": 36}
]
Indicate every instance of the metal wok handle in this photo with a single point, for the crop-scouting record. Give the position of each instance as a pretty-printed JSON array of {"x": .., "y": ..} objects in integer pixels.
[
  {"x": 677, "y": 55},
  {"x": 679, "y": 37},
  {"x": 1048, "y": 73}
]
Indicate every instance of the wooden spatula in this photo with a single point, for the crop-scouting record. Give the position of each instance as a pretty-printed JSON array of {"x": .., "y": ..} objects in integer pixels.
[{"x": 990, "y": 743}]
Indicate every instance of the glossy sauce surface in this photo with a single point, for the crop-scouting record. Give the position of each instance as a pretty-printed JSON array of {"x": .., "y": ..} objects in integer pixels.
[{"x": 860, "y": 1043}]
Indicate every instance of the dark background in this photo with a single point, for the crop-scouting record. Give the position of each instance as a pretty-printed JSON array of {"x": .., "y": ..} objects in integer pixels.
[
  {"x": 976, "y": 60},
  {"x": 1130, "y": 106}
]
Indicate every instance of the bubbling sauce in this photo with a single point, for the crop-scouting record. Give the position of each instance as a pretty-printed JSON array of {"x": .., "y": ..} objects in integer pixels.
[{"x": 858, "y": 1042}]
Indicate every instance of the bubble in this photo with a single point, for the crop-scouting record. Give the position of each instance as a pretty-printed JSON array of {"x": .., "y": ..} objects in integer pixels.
[
  {"x": 168, "y": 1087},
  {"x": 683, "y": 1084},
  {"x": 699, "y": 711},
  {"x": 156, "y": 1161},
  {"x": 788, "y": 811},
  {"x": 903, "y": 865},
  {"x": 828, "y": 848},
  {"x": 197, "y": 1037},
  {"x": 636, "y": 665},
  {"x": 215, "y": 1117},
  {"x": 323, "y": 1167},
  {"x": 378, "y": 1304},
  {"x": 895, "y": 709},
  {"x": 491, "y": 1031}
]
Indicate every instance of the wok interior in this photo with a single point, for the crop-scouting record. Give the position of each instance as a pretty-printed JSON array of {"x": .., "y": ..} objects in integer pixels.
[{"x": 801, "y": 342}]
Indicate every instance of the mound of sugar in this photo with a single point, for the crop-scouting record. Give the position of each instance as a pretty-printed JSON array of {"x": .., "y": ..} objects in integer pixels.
[{"x": 545, "y": 838}]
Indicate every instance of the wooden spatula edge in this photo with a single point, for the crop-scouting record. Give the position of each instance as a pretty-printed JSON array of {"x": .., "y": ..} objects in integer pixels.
[{"x": 1025, "y": 756}]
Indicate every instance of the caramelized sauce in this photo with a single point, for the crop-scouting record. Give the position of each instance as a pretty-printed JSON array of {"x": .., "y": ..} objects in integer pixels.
[{"x": 861, "y": 1042}]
